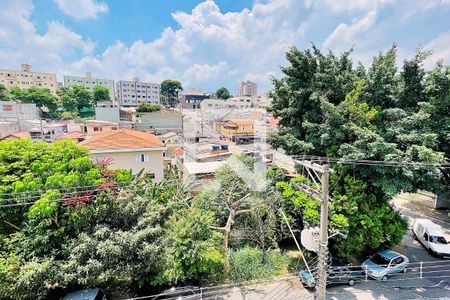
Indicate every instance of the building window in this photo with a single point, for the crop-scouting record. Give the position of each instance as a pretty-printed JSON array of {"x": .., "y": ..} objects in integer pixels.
[
  {"x": 140, "y": 158},
  {"x": 114, "y": 128},
  {"x": 151, "y": 175},
  {"x": 95, "y": 128}
]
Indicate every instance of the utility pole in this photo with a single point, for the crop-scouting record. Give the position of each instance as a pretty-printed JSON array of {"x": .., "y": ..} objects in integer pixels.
[
  {"x": 322, "y": 196},
  {"x": 323, "y": 243}
]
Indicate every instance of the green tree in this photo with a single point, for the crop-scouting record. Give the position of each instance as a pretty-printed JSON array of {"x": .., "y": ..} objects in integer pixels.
[
  {"x": 16, "y": 93},
  {"x": 169, "y": 91},
  {"x": 82, "y": 96},
  {"x": 100, "y": 93},
  {"x": 192, "y": 249},
  {"x": 359, "y": 116},
  {"x": 69, "y": 103},
  {"x": 4, "y": 94},
  {"x": 241, "y": 196},
  {"x": 148, "y": 107},
  {"x": 41, "y": 97},
  {"x": 223, "y": 93}
]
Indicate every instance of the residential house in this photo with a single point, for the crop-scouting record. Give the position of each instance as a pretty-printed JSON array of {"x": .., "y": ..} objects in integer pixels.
[
  {"x": 128, "y": 149},
  {"x": 16, "y": 136},
  {"x": 171, "y": 138},
  {"x": 235, "y": 127},
  {"x": 93, "y": 127},
  {"x": 75, "y": 136}
]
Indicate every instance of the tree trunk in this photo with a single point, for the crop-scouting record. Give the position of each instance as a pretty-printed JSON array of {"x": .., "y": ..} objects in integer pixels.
[{"x": 226, "y": 236}]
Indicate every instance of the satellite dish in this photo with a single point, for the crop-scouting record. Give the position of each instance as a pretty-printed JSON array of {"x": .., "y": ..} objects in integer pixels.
[{"x": 310, "y": 239}]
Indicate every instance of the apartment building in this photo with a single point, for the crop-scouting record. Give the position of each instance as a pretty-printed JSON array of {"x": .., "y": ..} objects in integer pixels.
[
  {"x": 131, "y": 93},
  {"x": 248, "y": 88},
  {"x": 90, "y": 82},
  {"x": 25, "y": 78}
]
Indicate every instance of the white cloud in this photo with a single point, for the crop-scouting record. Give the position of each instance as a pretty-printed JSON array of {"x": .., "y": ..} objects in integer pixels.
[
  {"x": 82, "y": 9},
  {"x": 206, "y": 72},
  {"x": 20, "y": 42},
  {"x": 347, "y": 35},
  {"x": 440, "y": 48},
  {"x": 209, "y": 48}
]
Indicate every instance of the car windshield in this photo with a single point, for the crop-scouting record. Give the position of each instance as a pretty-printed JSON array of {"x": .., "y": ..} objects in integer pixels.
[
  {"x": 438, "y": 240},
  {"x": 380, "y": 260}
]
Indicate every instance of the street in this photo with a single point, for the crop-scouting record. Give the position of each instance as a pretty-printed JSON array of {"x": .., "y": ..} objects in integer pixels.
[{"x": 431, "y": 279}]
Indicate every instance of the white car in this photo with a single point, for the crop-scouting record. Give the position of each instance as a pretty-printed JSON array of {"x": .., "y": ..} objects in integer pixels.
[{"x": 431, "y": 237}]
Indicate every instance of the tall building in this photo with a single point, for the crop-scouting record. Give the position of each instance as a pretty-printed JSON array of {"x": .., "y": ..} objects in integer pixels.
[
  {"x": 25, "y": 78},
  {"x": 90, "y": 82},
  {"x": 248, "y": 88},
  {"x": 131, "y": 93}
]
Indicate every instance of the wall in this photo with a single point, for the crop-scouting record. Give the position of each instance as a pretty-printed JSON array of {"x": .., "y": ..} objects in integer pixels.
[
  {"x": 8, "y": 128},
  {"x": 13, "y": 111},
  {"x": 159, "y": 119},
  {"x": 126, "y": 160},
  {"x": 109, "y": 114}
]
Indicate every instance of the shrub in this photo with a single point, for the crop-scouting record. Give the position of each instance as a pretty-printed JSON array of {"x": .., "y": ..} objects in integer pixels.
[
  {"x": 252, "y": 263},
  {"x": 148, "y": 107}
]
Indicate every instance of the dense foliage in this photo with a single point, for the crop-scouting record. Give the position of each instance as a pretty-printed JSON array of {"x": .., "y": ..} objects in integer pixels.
[
  {"x": 121, "y": 232},
  {"x": 42, "y": 97},
  {"x": 148, "y": 107},
  {"x": 328, "y": 107},
  {"x": 223, "y": 93},
  {"x": 169, "y": 92}
]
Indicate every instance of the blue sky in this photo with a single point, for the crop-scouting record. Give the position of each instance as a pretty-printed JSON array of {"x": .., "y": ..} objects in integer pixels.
[{"x": 208, "y": 43}]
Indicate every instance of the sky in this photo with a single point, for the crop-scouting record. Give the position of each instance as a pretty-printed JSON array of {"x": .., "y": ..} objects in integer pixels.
[{"x": 211, "y": 43}]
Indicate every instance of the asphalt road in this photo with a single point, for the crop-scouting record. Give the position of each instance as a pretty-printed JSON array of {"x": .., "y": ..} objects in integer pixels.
[{"x": 429, "y": 280}]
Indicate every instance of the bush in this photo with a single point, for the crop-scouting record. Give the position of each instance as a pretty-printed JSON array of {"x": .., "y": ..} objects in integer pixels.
[
  {"x": 148, "y": 107},
  {"x": 252, "y": 263}
]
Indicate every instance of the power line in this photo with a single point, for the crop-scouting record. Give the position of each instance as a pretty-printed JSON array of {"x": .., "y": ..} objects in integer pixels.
[{"x": 383, "y": 163}]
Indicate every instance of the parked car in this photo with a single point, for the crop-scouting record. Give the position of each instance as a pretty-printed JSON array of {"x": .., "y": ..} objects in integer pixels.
[
  {"x": 338, "y": 273},
  {"x": 384, "y": 264},
  {"x": 86, "y": 294},
  {"x": 431, "y": 237}
]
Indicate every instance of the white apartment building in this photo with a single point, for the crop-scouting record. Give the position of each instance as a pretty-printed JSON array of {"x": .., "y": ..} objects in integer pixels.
[
  {"x": 131, "y": 93},
  {"x": 248, "y": 88},
  {"x": 90, "y": 82},
  {"x": 25, "y": 78}
]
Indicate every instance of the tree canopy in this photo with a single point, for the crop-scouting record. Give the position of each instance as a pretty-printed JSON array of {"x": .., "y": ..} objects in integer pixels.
[
  {"x": 328, "y": 107},
  {"x": 42, "y": 97},
  {"x": 100, "y": 94},
  {"x": 223, "y": 93},
  {"x": 148, "y": 107},
  {"x": 169, "y": 91}
]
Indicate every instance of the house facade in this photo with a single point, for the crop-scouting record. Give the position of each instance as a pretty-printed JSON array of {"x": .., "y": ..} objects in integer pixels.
[
  {"x": 234, "y": 127},
  {"x": 130, "y": 150}
]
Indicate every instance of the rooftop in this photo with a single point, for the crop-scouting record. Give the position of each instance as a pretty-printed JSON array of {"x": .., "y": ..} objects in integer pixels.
[
  {"x": 241, "y": 121},
  {"x": 202, "y": 167},
  {"x": 122, "y": 139}
]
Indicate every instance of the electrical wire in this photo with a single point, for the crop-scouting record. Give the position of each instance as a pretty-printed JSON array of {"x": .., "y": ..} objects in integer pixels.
[{"x": 368, "y": 162}]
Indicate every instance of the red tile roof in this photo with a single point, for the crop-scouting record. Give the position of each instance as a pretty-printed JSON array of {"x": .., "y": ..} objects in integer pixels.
[{"x": 122, "y": 139}]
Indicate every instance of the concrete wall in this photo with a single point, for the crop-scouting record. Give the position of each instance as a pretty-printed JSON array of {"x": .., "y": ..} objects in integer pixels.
[
  {"x": 109, "y": 114},
  {"x": 8, "y": 128},
  {"x": 159, "y": 119},
  {"x": 13, "y": 111},
  {"x": 127, "y": 160}
]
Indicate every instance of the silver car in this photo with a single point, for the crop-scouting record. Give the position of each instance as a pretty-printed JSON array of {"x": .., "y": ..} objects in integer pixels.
[{"x": 384, "y": 264}]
